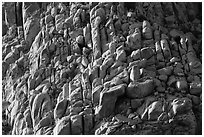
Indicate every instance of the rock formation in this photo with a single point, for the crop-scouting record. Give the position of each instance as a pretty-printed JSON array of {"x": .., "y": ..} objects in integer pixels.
[{"x": 113, "y": 68}]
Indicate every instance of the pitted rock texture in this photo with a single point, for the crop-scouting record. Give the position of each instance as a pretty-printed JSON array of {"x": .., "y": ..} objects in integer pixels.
[{"x": 103, "y": 68}]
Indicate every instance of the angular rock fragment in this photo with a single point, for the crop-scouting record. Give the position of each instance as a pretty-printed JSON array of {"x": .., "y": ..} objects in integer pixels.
[
  {"x": 134, "y": 40},
  {"x": 121, "y": 56},
  {"x": 135, "y": 73},
  {"x": 96, "y": 94},
  {"x": 135, "y": 55},
  {"x": 147, "y": 31},
  {"x": 165, "y": 71},
  {"x": 140, "y": 89},
  {"x": 146, "y": 53},
  {"x": 180, "y": 106},
  {"x": 155, "y": 109},
  {"x": 31, "y": 29},
  {"x": 196, "y": 88},
  {"x": 181, "y": 85},
  {"x": 109, "y": 97}
]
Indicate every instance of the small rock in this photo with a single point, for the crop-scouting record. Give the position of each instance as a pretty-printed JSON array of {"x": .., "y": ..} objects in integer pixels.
[
  {"x": 121, "y": 56},
  {"x": 140, "y": 89},
  {"x": 80, "y": 40},
  {"x": 175, "y": 33},
  {"x": 147, "y": 32},
  {"x": 174, "y": 59},
  {"x": 135, "y": 55},
  {"x": 181, "y": 85},
  {"x": 163, "y": 77},
  {"x": 165, "y": 71},
  {"x": 181, "y": 105},
  {"x": 96, "y": 94},
  {"x": 196, "y": 88},
  {"x": 154, "y": 110},
  {"x": 157, "y": 82},
  {"x": 140, "y": 63},
  {"x": 160, "y": 89},
  {"x": 172, "y": 80},
  {"x": 135, "y": 73},
  {"x": 146, "y": 52}
]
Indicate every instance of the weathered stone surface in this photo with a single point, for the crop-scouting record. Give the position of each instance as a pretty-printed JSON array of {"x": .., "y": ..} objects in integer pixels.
[
  {"x": 196, "y": 88},
  {"x": 134, "y": 40},
  {"x": 18, "y": 123},
  {"x": 109, "y": 97},
  {"x": 140, "y": 63},
  {"x": 135, "y": 73},
  {"x": 181, "y": 85},
  {"x": 44, "y": 122},
  {"x": 76, "y": 124},
  {"x": 4, "y": 28},
  {"x": 135, "y": 55},
  {"x": 140, "y": 89},
  {"x": 180, "y": 106},
  {"x": 135, "y": 103},
  {"x": 88, "y": 123},
  {"x": 60, "y": 109},
  {"x": 111, "y": 68},
  {"x": 41, "y": 101},
  {"x": 31, "y": 29},
  {"x": 65, "y": 91},
  {"x": 27, "y": 118},
  {"x": 96, "y": 94},
  {"x": 166, "y": 70},
  {"x": 147, "y": 31},
  {"x": 155, "y": 109},
  {"x": 146, "y": 53},
  {"x": 163, "y": 77},
  {"x": 76, "y": 94},
  {"x": 10, "y": 16},
  {"x": 121, "y": 56},
  {"x": 63, "y": 126}
]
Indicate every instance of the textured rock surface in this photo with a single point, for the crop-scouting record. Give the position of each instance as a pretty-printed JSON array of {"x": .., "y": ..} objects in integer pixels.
[{"x": 114, "y": 68}]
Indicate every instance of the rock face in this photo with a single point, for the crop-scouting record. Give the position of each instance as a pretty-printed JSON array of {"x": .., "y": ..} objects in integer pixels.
[{"x": 103, "y": 68}]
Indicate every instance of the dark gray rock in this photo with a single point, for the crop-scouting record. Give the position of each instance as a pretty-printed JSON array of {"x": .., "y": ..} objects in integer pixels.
[{"x": 140, "y": 89}]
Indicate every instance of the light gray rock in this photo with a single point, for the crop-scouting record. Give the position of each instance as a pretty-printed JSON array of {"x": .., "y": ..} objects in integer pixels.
[{"x": 134, "y": 73}]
